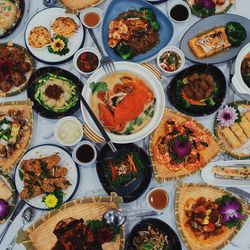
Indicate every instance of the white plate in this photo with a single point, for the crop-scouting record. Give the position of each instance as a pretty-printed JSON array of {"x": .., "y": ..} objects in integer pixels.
[
  {"x": 151, "y": 81},
  {"x": 208, "y": 175},
  {"x": 66, "y": 161},
  {"x": 45, "y": 18}
]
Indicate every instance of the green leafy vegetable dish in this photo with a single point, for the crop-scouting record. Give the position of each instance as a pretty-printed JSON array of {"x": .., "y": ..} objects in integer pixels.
[
  {"x": 236, "y": 33},
  {"x": 134, "y": 32},
  {"x": 56, "y": 93}
]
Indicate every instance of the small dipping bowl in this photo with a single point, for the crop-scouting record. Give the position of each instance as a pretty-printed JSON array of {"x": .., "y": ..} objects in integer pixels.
[
  {"x": 84, "y": 153},
  {"x": 86, "y": 61},
  {"x": 68, "y": 131},
  {"x": 91, "y": 17},
  {"x": 158, "y": 199},
  {"x": 163, "y": 60},
  {"x": 179, "y": 12}
]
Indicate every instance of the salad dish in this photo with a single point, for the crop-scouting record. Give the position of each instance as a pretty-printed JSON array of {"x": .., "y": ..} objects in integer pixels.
[
  {"x": 232, "y": 127},
  {"x": 78, "y": 222},
  {"x": 204, "y": 8},
  {"x": 180, "y": 146},
  {"x": 208, "y": 217},
  {"x": 152, "y": 233},
  {"x": 54, "y": 92},
  {"x": 124, "y": 102},
  {"x": 16, "y": 122},
  {"x": 198, "y": 90},
  {"x": 55, "y": 39},
  {"x": 11, "y": 13},
  {"x": 16, "y": 67},
  {"x": 134, "y": 30},
  {"x": 216, "y": 39},
  {"x": 46, "y": 177},
  {"x": 128, "y": 174}
]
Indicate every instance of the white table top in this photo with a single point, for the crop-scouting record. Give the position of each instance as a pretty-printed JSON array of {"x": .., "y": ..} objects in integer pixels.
[{"x": 89, "y": 183}]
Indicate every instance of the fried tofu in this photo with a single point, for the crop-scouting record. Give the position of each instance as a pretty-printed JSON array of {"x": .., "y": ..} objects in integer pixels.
[
  {"x": 231, "y": 138},
  {"x": 238, "y": 131}
]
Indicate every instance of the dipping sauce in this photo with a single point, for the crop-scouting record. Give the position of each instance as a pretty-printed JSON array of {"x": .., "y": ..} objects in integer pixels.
[
  {"x": 158, "y": 199},
  {"x": 170, "y": 61},
  {"x": 179, "y": 13},
  {"x": 85, "y": 153},
  {"x": 69, "y": 132},
  {"x": 91, "y": 19},
  {"x": 87, "y": 62}
]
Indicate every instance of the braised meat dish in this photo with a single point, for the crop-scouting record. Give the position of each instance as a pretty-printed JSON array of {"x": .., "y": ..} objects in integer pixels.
[
  {"x": 245, "y": 69},
  {"x": 14, "y": 66}
]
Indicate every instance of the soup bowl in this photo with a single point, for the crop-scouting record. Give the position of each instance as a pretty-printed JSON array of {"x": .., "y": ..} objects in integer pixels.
[{"x": 147, "y": 78}]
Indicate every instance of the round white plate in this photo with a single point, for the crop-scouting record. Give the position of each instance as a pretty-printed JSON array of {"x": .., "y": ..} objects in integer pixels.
[
  {"x": 66, "y": 161},
  {"x": 151, "y": 81},
  {"x": 208, "y": 175},
  {"x": 45, "y": 18}
]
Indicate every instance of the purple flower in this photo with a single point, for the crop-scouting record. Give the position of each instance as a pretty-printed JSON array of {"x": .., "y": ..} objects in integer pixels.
[
  {"x": 227, "y": 116},
  {"x": 181, "y": 147},
  {"x": 208, "y": 4},
  {"x": 230, "y": 211}
]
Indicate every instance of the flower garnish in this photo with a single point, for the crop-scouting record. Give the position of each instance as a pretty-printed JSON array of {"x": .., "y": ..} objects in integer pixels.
[
  {"x": 180, "y": 147},
  {"x": 227, "y": 116},
  {"x": 58, "y": 46},
  {"x": 230, "y": 211},
  {"x": 51, "y": 201}
]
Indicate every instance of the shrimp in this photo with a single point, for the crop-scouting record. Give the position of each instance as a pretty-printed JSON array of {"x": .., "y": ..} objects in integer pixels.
[{"x": 194, "y": 160}]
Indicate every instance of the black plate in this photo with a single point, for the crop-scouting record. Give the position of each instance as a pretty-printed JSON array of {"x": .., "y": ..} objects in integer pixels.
[
  {"x": 196, "y": 110},
  {"x": 173, "y": 239},
  {"x": 38, "y": 74},
  {"x": 135, "y": 189},
  {"x": 15, "y": 25}
]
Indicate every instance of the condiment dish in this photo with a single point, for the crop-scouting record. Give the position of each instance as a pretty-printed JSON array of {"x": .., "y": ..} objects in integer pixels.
[
  {"x": 88, "y": 11},
  {"x": 175, "y": 3}
]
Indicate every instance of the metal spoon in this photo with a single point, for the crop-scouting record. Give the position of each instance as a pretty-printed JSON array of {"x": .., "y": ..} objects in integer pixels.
[
  {"x": 27, "y": 216},
  {"x": 49, "y": 3},
  {"x": 117, "y": 218}
]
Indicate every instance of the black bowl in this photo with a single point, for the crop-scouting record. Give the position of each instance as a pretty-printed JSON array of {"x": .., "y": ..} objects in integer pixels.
[
  {"x": 137, "y": 187},
  {"x": 173, "y": 239},
  {"x": 42, "y": 111},
  {"x": 196, "y": 110}
]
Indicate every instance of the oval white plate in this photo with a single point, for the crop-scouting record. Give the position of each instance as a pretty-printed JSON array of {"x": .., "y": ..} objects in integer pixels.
[
  {"x": 208, "y": 175},
  {"x": 151, "y": 81},
  {"x": 66, "y": 161},
  {"x": 45, "y": 18}
]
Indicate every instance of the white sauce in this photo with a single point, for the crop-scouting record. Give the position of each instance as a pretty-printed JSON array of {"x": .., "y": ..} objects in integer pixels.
[{"x": 69, "y": 131}]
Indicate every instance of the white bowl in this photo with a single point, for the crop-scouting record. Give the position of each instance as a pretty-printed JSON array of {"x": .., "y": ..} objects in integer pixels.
[
  {"x": 176, "y": 50},
  {"x": 153, "y": 189},
  {"x": 78, "y": 53},
  {"x": 79, "y": 145},
  {"x": 60, "y": 122},
  {"x": 174, "y": 3},
  {"x": 237, "y": 81},
  {"x": 153, "y": 83},
  {"x": 86, "y": 11}
]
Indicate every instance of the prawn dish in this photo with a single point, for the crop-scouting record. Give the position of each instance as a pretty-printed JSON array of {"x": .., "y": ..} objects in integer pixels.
[
  {"x": 15, "y": 69},
  {"x": 123, "y": 103},
  {"x": 133, "y": 32},
  {"x": 208, "y": 217},
  {"x": 180, "y": 146}
]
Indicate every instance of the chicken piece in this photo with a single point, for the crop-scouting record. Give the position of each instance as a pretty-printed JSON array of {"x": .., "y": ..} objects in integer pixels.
[
  {"x": 32, "y": 166},
  {"x": 4, "y": 52},
  {"x": 193, "y": 77},
  {"x": 17, "y": 78},
  {"x": 5, "y": 86},
  {"x": 51, "y": 161},
  {"x": 60, "y": 182},
  {"x": 24, "y": 194},
  {"x": 48, "y": 188},
  {"x": 23, "y": 67},
  {"x": 60, "y": 171}
]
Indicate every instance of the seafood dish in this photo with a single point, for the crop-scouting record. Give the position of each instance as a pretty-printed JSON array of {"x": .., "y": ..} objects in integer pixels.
[
  {"x": 245, "y": 69},
  {"x": 10, "y": 14},
  {"x": 56, "y": 93},
  {"x": 134, "y": 32},
  {"x": 180, "y": 146},
  {"x": 77, "y": 5},
  {"x": 123, "y": 103},
  {"x": 204, "y": 8},
  {"x": 218, "y": 39},
  {"x": 208, "y": 217},
  {"x": 233, "y": 128},
  {"x": 92, "y": 235},
  {"x": 64, "y": 26},
  {"x": 16, "y": 66},
  {"x": 44, "y": 176},
  {"x": 39, "y": 37},
  {"x": 123, "y": 170},
  {"x": 15, "y": 132}
]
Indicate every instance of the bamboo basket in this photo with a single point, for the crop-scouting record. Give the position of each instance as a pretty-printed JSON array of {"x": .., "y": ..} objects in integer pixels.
[
  {"x": 194, "y": 191},
  {"x": 39, "y": 236},
  {"x": 225, "y": 145},
  {"x": 162, "y": 173},
  {"x": 6, "y": 165}
]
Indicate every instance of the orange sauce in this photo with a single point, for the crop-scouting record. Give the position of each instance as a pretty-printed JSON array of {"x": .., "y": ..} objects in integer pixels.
[
  {"x": 158, "y": 199},
  {"x": 91, "y": 19}
]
